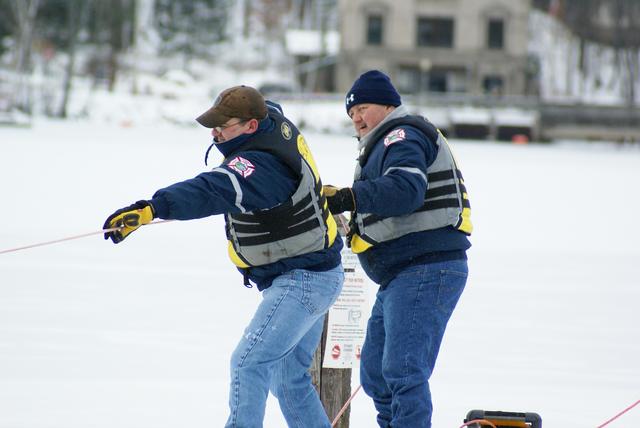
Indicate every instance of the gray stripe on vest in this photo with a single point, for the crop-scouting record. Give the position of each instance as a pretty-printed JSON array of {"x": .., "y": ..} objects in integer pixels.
[
  {"x": 394, "y": 227},
  {"x": 303, "y": 243},
  {"x": 408, "y": 169},
  {"x": 236, "y": 186}
]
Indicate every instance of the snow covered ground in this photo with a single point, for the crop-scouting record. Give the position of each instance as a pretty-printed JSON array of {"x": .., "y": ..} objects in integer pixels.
[{"x": 139, "y": 335}]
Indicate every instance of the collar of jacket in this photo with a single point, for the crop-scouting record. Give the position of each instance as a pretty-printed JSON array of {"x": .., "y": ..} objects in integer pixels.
[
  {"x": 399, "y": 111},
  {"x": 265, "y": 125}
]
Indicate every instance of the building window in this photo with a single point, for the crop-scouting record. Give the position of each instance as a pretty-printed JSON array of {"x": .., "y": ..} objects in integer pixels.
[
  {"x": 493, "y": 85},
  {"x": 438, "y": 81},
  {"x": 374, "y": 30},
  {"x": 495, "y": 34},
  {"x": 407, "y": 79},
  {"x": 410, "y": 79},
  {"x": 435, "y": 32}
]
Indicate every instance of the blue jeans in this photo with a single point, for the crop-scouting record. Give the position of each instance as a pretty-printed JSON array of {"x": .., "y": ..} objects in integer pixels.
[
  {"x": 277, "y": 348},
  {"x": 404, "y": 332}
]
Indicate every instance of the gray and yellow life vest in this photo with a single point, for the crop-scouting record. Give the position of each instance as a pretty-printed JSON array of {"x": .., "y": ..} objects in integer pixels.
[
  {"x": 446, "y": 202},
  {"x": 298, "y": 226}
]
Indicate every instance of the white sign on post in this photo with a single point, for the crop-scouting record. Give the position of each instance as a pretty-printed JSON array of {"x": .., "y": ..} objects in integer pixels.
[{"x": 347, "y": 324}]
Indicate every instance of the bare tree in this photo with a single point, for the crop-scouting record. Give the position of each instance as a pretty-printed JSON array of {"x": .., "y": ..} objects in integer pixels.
[
  {"x": 23, "y": 19},
  {"x": 614, "y": 23},
  {"x": 112, "y": 25},
  {"x": 626, "y": 24},
  {"x": 76, "y": 14}
]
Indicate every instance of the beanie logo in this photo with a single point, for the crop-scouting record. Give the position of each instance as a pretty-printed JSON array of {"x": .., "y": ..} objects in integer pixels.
[
  {"x": 394, "y": 136},
  {"x": 350, "y": 98}
]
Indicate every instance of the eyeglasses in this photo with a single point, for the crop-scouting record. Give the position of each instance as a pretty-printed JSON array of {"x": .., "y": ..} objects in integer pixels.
[{"x": 221, "y": 128}]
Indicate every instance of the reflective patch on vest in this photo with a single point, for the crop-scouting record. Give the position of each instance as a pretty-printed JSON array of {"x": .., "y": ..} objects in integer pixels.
[
  {"x": 285, "y": 129},
  {"x": 241, "y": 166},
  {"x": 394, "y": 136}
]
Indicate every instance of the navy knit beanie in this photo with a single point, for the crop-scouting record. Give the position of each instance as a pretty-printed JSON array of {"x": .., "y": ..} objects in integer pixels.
[{"x": 373, "y": 87}]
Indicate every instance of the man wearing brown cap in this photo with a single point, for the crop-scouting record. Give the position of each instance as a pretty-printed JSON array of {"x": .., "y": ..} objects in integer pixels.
[{"x": 281, "y": 237}]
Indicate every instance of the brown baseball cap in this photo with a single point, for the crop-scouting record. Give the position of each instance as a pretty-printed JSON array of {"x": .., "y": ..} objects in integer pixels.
[{"x": 243, "y": 102}]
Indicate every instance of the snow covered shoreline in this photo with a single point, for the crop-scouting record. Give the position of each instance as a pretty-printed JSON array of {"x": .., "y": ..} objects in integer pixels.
[{"x": 139, "y": 334}]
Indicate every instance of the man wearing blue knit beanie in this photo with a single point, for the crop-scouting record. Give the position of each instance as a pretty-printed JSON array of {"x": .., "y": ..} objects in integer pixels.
[{"x": 410, "y": 222}]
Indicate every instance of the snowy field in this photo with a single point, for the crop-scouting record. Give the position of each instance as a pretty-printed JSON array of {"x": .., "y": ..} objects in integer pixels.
[{"x": 139, "y": 335}]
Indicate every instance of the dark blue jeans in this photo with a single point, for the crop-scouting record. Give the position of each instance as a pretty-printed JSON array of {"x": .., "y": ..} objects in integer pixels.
[{"x": 403, "y": 338}]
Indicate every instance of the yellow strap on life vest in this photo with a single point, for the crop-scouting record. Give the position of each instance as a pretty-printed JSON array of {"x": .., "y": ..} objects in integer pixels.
[
  {"x": 303, "y": 148},
  {"x": 465, "y": 221},
  {"x": 332, "y": 230},
  {"x": 235, "y": 258},
  {"x": 359, "y": 245}
]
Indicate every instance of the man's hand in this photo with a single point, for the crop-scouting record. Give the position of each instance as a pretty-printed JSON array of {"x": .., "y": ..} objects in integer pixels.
[
  {"x": 339, "y": 200},
  {"x": 128, "y": 219}
]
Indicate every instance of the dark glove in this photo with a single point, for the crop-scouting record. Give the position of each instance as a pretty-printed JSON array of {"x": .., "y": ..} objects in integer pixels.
[
  {"x": 128, "y": 219},
  {"x": 339, "y": 200}
]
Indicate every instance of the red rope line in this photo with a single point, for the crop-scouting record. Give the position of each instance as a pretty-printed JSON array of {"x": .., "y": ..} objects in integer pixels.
[
  {"x": 70, "y": 238},
  {"x": 343, "y": 222},
  {"x": 337, "y": 418},
  {"x": 478, "y": 421},
  {"x": 620, "y": 414}
]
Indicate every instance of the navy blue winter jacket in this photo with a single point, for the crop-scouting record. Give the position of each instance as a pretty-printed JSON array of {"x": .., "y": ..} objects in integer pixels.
[
  {"x": 400, "y": 192},
  {"x": 270, "y": 183}
]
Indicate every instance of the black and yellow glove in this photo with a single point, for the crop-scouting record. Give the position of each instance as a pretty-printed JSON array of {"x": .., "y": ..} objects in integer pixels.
[
  {"x": 128, "y": 219},
  {"x": 339, "y": 200}
]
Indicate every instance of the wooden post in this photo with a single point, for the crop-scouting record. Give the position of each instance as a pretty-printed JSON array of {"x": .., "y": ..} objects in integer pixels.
[{"x": 333, "y": 385}]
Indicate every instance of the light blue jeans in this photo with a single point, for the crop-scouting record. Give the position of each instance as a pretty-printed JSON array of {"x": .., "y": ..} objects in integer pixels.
[
  {"x": 404, "y": 332},
  {"x": 277, "y": 348}
]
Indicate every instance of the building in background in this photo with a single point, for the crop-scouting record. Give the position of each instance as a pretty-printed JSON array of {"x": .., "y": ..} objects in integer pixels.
[
  {"x": 314, "y": 55},
  {"x": 453, "y": 46}
]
